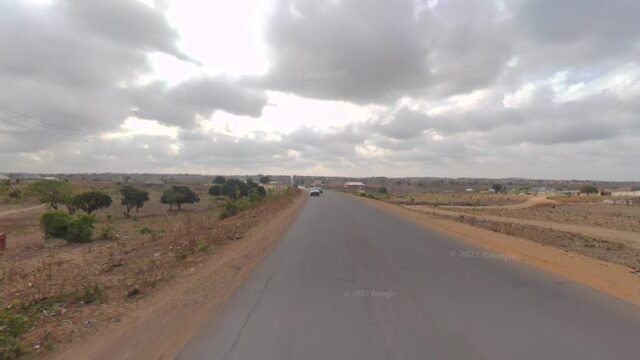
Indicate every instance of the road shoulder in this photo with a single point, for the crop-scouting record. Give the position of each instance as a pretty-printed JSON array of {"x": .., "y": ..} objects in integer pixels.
[{"x": 616, "y": 280}]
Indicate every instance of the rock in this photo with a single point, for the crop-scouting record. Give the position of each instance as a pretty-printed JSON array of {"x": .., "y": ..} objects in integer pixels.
[{"x": 133, "y": 292}]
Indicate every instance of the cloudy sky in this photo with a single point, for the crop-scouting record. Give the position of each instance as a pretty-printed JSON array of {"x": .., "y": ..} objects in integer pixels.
[{"x": 475, "y": 88}]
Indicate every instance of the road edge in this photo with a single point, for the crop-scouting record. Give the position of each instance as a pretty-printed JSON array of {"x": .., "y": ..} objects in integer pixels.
[{"x": 613, "y": 279}]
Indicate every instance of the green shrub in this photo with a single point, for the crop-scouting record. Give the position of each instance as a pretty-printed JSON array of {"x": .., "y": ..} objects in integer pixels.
[
  {"x": 230, "y": 208},
  {"x": 12, "y": 326},
  {"x": 55, "y": 224},
  {"x": 81, "y": 228}
]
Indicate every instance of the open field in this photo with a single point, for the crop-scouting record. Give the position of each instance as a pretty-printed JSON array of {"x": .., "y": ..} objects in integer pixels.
[
  {"x": 22, "y": 227},
  {"x": 618, "y": 217},
  {"x": 456, "y": 199}
]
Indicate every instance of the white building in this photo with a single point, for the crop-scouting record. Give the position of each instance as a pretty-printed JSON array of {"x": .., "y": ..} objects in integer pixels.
[{"x": 354, "y": 185}]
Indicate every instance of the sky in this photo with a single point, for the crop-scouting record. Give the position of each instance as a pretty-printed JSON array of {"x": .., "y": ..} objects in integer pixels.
[{"x": 446, "y": 88}]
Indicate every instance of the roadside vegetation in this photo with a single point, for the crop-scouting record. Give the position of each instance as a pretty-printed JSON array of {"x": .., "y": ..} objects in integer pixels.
[{"x": 57, "y": 291}]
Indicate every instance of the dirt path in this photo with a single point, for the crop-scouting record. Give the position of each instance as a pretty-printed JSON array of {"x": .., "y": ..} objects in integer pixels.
[
  {"x": 613, "y": 279},
  {"x": 163, "y": 324},
  {"x": 15, "y": 211},
  {"x": 532, "y": 202},
  {"x": 625, "y": 237}
]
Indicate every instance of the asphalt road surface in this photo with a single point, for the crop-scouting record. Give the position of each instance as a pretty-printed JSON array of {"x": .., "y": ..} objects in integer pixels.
[{"x": 349, "y": 281}]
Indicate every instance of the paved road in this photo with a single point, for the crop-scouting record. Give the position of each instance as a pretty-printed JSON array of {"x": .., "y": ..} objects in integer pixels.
[{"x": 349, "y": 281}]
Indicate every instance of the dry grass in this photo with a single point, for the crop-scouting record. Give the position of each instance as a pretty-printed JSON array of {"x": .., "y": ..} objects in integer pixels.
[
  {"x": 457, "y": 199},
  {"x": 617, "y": 217},
  {"x": 143, "y": 254}
]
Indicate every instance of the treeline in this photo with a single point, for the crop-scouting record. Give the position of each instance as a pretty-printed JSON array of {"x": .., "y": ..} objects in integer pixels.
[
  {"x": 240, "y": 195},
  {"x": 77, "y": 227}
]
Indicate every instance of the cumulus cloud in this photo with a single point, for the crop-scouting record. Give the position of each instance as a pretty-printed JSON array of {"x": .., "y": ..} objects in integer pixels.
[
  {"x": 180, "y": 103},
  {"x": 70, "y": 70},
  {"x": 534, "y": 88},
  {"x": 376, "y": 51}
]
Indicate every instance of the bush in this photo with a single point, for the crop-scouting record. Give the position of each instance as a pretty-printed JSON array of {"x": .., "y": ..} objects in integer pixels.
[
  {"x": 231, "y": 207},
  {"x": 81, "y": 228},
  {"x": 55, "y": 224},
  {"x": 215, "y": 190},
  {"x": 383, "y": 190}
]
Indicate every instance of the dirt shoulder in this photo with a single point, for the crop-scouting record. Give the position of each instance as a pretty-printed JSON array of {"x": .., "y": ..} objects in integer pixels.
[
  {"x": 625, "y": 237},
  {"x": 160, "y": 325},
  {"x": 615, "y": 279}
]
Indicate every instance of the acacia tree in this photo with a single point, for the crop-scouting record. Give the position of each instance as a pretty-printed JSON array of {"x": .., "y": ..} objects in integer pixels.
[
  {"x": 179, "y": 195},
  {"x": 234, "y": 189},
  {"x": 219, "y": 180},
  {"x": 51, "y": 192},
  {"x": 265, "y": 179},
  {"x": 132, "y": 198},
  {"x": 91, "y": 201}
]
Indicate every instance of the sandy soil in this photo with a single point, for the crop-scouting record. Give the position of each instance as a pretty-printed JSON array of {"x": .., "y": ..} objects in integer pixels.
[
  {"x": 625, "y": 237},
  {"x": 617, "y": 217},
  {"x": 617, "y": 280},
  {"x": 21, "y": 209},
  {"x": 529, "y": 203},
  {"x": 161, "y": 325}
]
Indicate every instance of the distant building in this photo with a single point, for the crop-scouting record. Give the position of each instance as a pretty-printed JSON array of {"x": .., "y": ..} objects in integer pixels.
[
  {"x": 27, "y": 178},
  {"x": 542, "y": 190},
  {"x": 625, "y": 192},
  {"x": 154, "y": 182},
  {"x": 468, "y": 190},
  {"x": 621, "y": 201},
  {"x": 569, "y": 192},
  {"x": 354, "y": 185}
]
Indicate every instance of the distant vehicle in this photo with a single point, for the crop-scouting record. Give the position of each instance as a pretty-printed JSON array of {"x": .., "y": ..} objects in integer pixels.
[{"x": 314, "y": 192}]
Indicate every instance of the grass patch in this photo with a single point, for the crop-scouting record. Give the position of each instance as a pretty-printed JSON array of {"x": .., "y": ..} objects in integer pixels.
[{"x": 18, "y": 318}]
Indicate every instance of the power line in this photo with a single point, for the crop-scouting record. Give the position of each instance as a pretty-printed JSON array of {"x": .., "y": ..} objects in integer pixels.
[{"x": 18, "y": 119}]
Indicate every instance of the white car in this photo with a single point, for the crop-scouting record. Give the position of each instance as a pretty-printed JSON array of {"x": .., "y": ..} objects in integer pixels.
[{"x": 314, "y": 192}]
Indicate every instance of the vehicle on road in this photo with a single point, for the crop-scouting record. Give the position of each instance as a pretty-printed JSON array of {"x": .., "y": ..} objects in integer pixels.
[{"x": 314, "y": 192}]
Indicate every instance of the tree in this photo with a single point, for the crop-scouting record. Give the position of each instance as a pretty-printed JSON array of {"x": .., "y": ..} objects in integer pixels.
[
  {"x": 132, "y": 198},
  {"x": 265, "y": 179},
  {"x": 383, "y": 190},
  {"x": 497, "y": 187},
  {"x": 588, "y": 189},
  {"x": 234, "y": 189},
  {"x": 256, "y": 191},
  {"x": 91, "y": 201},
  {"x": 51, "y": 192},
  {"x": 179, "y": 195},
  {"x": 215, "y": 190},
  {"x": 219, "y": 180}
]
